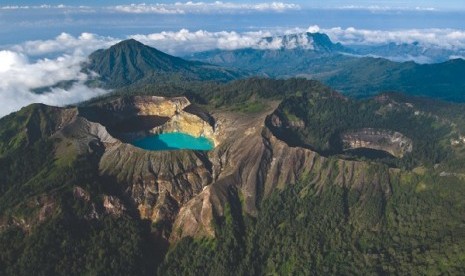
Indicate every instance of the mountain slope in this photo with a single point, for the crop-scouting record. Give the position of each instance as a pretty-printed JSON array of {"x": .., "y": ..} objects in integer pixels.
[
  {"x": 368, "y": 76},
  {"x": 315, "y": 56},
  {"x": 131, "y": 62},
  {"x": 258, "y": 203},
  {"x": 277, "y": 56},
  {"x": 353, "y": 76}
]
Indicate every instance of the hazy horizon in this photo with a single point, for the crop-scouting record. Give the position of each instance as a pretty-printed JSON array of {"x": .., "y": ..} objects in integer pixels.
[{"x": 42, "y": 43}]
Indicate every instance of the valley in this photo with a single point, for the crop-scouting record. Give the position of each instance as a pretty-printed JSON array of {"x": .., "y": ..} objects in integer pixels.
[{"x": 354, "y": 72}]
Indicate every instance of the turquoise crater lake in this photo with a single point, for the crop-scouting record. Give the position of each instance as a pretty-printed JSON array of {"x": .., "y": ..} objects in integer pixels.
[{"x": 174, "y": 141}]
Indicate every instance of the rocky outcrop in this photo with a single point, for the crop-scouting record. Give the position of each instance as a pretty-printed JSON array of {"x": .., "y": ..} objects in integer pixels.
[
  {"x": 188, "y": 123},
  {"x": 258, "y": 163},
  {"x": 196, "y": 218},
  {"x": 134, "y": 118},
  {"x": 160, "y": 106},
  {"x": 392, "y": 142},
  {"x": 182, "y": 192}
]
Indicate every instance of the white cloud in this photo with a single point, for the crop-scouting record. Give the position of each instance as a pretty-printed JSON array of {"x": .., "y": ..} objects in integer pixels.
[
  {"x": 457, "y": 57},
  {"x": 65, "y": 43},
  {"x": 204, "y": 7},
  {"x": 44, "y": 6},
  {"x": 446, "y": 38},
  {"x": 24, "y": 67},
  {"x": 377, "y": 8},
  {"x": 19, "y": 76},
  {"x": 14, "y": 99},
  {"x": 185, "y": 41}
]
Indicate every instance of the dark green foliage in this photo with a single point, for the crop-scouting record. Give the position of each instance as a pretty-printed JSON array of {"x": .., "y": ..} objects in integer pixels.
[
  {"x": 368, "y": 76},
  {"x": 353, "y": 76},
  {"x": 22, "y": 164},
  {"x": 69, "y": 245},
  {"x": 399, "y": 224},
  {"x": 221, "y": 256},
  {"x": 70, "y": 241},
  {"x": 234, "y": 95},
  {"x": 326, "y": 118},
  {"x": 327, "y": 114},
  {"x": 131, "y": 62},
  {"x": 306, "y": 230},
  {"x": 27, "y": 126}
]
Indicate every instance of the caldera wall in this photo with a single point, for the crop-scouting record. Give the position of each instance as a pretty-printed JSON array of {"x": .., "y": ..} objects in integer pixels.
[
  {"x": 392, "y": 142},
  {"x": 137, "y": 117}
]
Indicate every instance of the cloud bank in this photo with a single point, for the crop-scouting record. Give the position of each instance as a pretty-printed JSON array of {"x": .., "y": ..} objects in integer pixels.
[
  {"x": 42, "y": 63},
  {"x": 17, "y": 7},
  {"x": 185, "y": 41},
  {"x": 446, "y": 38},
  {"x": 19, "y": 75},
  {"x": 189, "y": 7},
  {"x": 65, "y": 43},
  {"x": 203, "y": 7},
  {"x": 377, "y": 8}
]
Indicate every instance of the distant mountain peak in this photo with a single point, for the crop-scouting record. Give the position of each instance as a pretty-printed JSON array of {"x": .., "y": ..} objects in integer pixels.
[
  {"x": 130, "y": 61},
  {"x": 132, "y": 45},
  {"x": 130, "y": 41},
  {"x": 308, "y": 41}
]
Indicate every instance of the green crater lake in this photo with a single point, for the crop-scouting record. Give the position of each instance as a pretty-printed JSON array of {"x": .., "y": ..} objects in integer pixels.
[{"x": 174, "y": 141}]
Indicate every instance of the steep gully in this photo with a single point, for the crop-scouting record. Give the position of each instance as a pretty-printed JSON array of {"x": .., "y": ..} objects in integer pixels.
[{"x": 184, "y": 191}]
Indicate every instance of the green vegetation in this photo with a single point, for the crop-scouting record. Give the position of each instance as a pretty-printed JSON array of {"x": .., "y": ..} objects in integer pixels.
[
  {"x": 69, "y": 245},
  {"x": 131, "y": 62},
  {"x": 211, "y": 256},
  {"x": 429, "y": 123},
  {"x": 249, "y": 107},
  {"x": 401, "y": 223},
  {"x": 70, "y": 242},
  {"x": 67, "y": 239},
  {"x": 307, "y": 230},
  {"x": 326, "y": 118},
  {"x": 359, "y": 77},
  {"x": 25, "y": 127},
  {"x": 244, "y": 95}
]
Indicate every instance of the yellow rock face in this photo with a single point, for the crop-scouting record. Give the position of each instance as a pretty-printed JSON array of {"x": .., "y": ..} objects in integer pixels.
[
  {"x": 189, "y": 124},
  {"x": 161, "y": 106},
  {"x": 180, "y": 121},
  {"x": 145, "y": 211}
]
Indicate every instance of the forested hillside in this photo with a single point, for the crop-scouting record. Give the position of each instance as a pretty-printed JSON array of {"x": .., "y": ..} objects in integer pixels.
[{"x": 342, "y": 213}]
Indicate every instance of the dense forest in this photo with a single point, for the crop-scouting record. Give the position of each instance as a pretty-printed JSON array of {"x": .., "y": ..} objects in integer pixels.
[
  {"x": 302, "y": 230},
  {"x": 69, "y": 242},
  {"x": 327, "y": 118},
  {"x": 414, "y": 226}
]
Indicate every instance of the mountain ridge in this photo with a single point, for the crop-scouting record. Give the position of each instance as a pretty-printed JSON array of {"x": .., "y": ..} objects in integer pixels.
[
  {"x": 86, "y": 183},
  {"x": 342, "y": 68},
  {"x": 129, "y": 62}
]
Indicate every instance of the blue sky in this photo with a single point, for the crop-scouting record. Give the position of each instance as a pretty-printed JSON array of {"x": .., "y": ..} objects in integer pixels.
[
  {"x": 43, "y": 42},
  {"x": 22, "y": 20},
  {"x": 449, "y": 4}
]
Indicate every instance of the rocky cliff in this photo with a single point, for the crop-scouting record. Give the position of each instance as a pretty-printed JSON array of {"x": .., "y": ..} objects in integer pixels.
[
  {"x": 392, "y": 142},
  {"x": 183, "y": 192}
]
